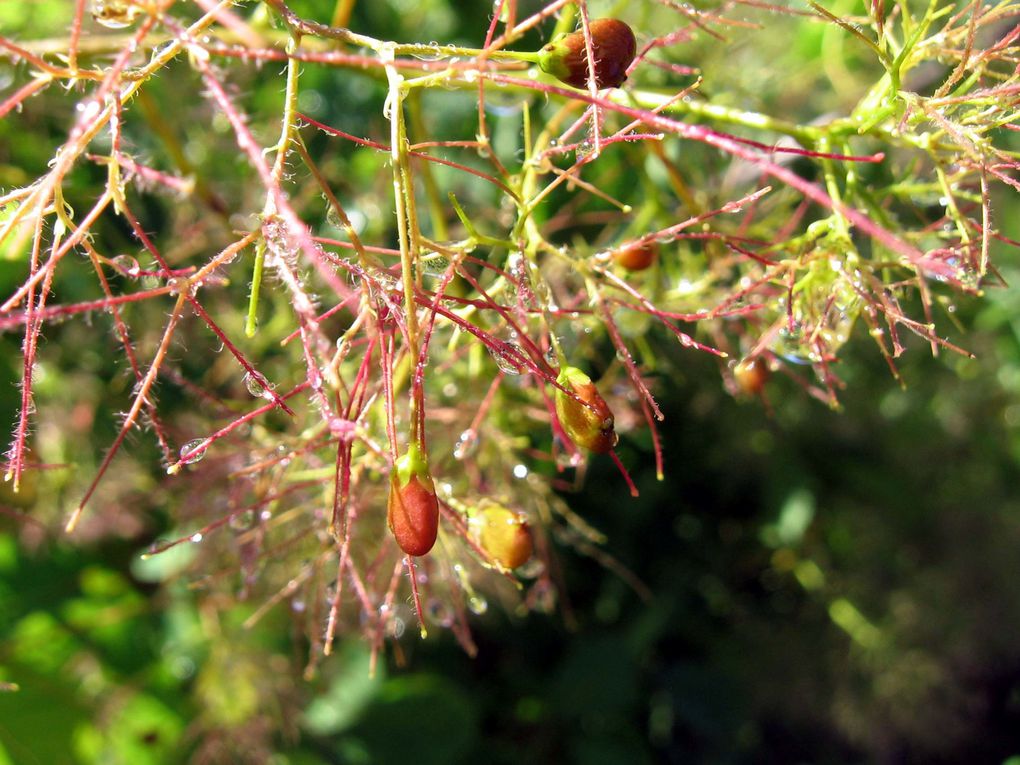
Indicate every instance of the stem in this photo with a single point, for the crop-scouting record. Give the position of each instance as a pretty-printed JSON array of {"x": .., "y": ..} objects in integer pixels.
[{"x": 287, "y": 131}]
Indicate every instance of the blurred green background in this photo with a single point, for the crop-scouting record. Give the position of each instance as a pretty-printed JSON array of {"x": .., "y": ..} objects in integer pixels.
[{"x": 827, "y": 587}]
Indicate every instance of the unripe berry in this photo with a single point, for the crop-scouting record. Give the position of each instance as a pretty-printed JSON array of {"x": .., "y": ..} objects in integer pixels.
[
  {"x": 503, "y": 534},
  {"x": 751, "y": 375},
  {"x": 589, "y": 424},
  {"x": 412, "y": 511},
  {"x": 612, "y": 46},
  {"x": 636, "y": 256}
]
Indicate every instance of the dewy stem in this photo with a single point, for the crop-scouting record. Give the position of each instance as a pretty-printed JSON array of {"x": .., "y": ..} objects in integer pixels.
[
  {"x": 646, "y": 99},
  {"x": 833, "y": 190},
  {"x": 297, "y": 24},
  {"x": 282, "y": 145},
  {"x": 403, "y": 200}
]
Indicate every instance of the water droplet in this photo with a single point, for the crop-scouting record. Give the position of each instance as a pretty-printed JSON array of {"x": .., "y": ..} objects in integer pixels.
[
  {"x": 433, "y": 263},
  {"x": 163, "y": 47},
  {"x": 466, "y": 445},
  {"x": 431, "y": 52},
  {"x": 503, "y": 103},
  {"x": 506, "y": 356},
  {"x": 126, "y": 264},
  {"x": 188, "y": 454},
  {"x": 297, "y": 606},
  {"x": 477, "y": 604},
  {"x": 242, "y": 521},
  {"x": 179, "y": 285},
  {"x": 585, "y": 150},
  {"x": 197, "y": 537},
  {"x": 520, "y": 471},
  {"x": 258, "y": 386}
]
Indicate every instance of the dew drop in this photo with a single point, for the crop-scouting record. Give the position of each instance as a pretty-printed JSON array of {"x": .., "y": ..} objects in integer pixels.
[
  {"x": 257, "y": 385},
  {"x": 197, "y": 537},
  {"x": 333, "y": 218},
  {"x": 242, "y": 521},
  {"x": 467, "y": 444},
  {"x": 126, "y": 264},
  {"x": 585, "y": 150},
  {"x": 159, "y": 50},
  {"x": 477, "y": 604},
  {"x": 188, "y": 454},
  {"x": 433, "y": 263},
  {"x": 505, "y": 358},
  {"x": 520, "y": 471},
  {"x": 430, "y": 52},
  {"x": 179, "y": 285}
]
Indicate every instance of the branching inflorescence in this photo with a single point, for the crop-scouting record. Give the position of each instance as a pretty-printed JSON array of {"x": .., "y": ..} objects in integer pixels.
[{"x": 435, "y": 260}]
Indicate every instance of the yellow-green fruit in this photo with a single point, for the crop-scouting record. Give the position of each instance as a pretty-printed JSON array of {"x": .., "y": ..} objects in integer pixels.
[
  {"x": 504, "y": 535},
  {"x": 589, "y": 421}
]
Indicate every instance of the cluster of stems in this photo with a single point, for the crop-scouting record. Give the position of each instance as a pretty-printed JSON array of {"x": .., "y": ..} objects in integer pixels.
[{"x": 427, "y": 354}]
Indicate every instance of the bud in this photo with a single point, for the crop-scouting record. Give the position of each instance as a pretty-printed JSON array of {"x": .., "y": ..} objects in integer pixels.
[
  {"x": 412, "y": 511},
  {"x": 589, "y": 424},
  {"x": 636, "y": 256},
  {"x": 612, "y": 46},
  {"x": 750, "y": 376},
  {"x": 503, "y": 534}
]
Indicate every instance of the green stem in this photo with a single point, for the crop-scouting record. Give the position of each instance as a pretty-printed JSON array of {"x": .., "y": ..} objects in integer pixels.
[
  {"x": 407, "y": 231},
  {"x": 282, "y": 145},
  {"x": 252, "y": 324}
]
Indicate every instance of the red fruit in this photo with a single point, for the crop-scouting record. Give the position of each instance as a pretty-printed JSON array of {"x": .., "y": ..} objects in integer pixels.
[
  {"x": 589, "y": 424},
  {"x": 751, "y": 375},
  {"x": 612, "y": 46},
  {"x": 636, "y": 256},
  {"x": 504, "y": 535},
  {"x": 412, "y": 511}
]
